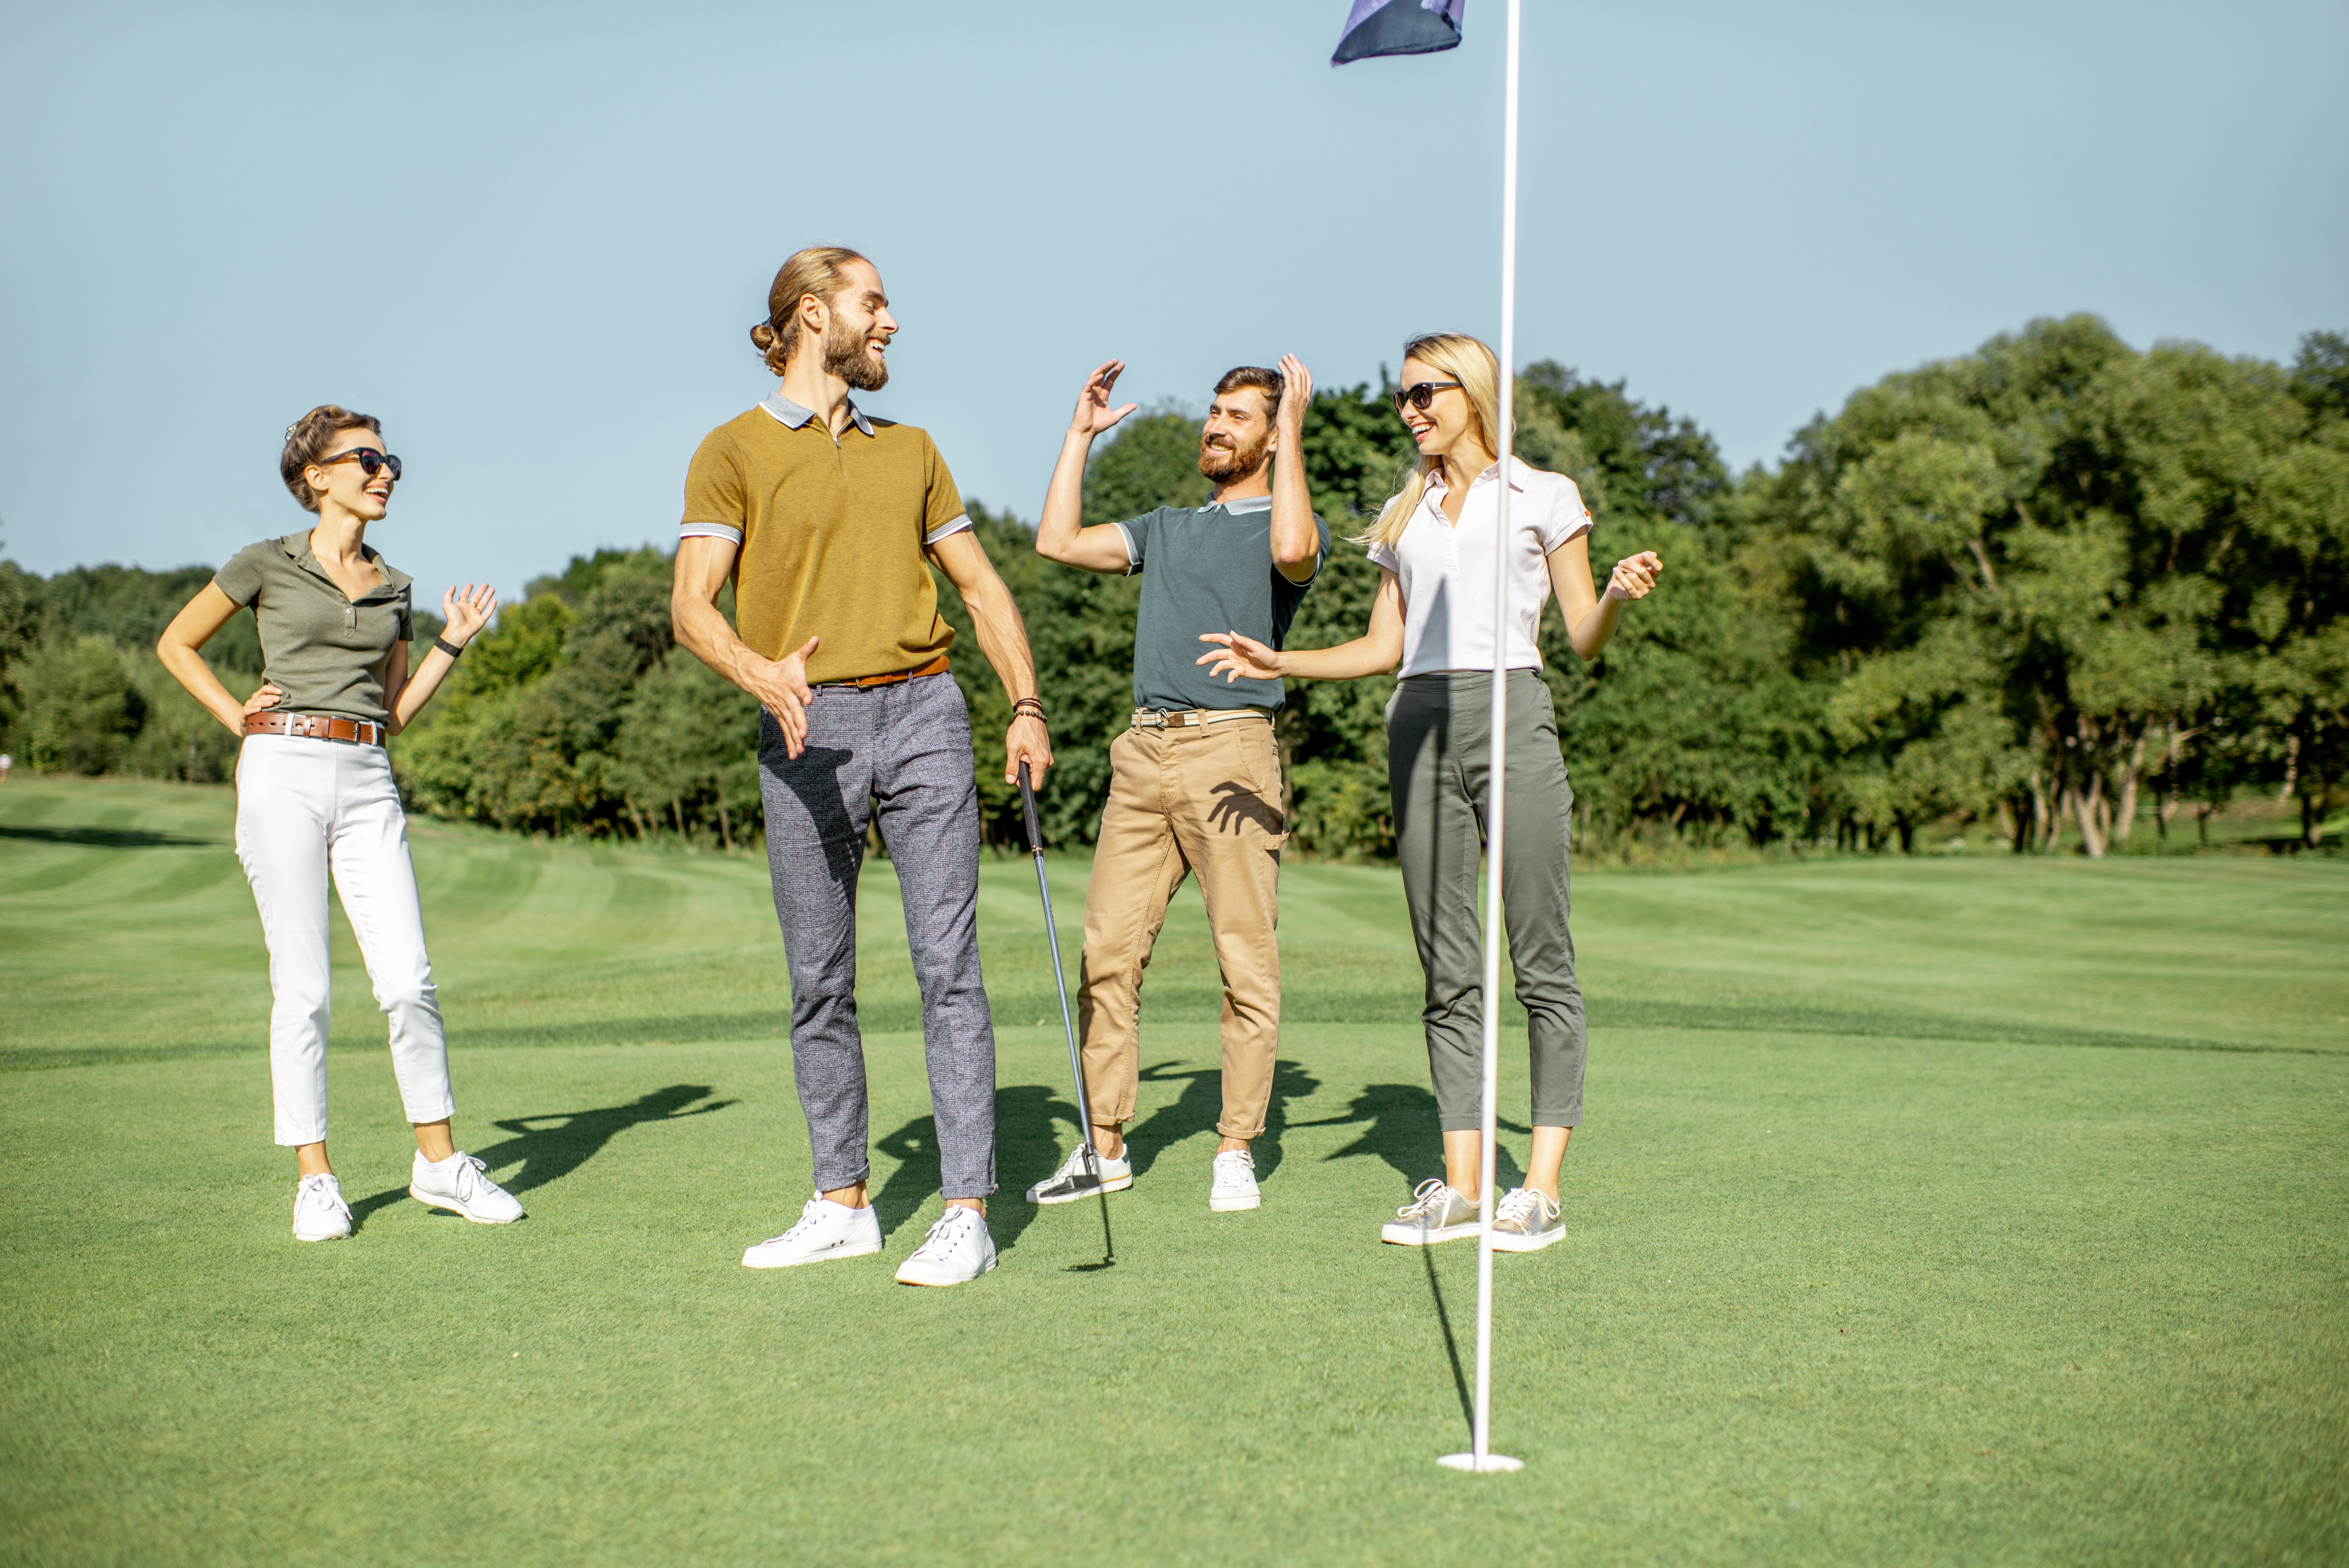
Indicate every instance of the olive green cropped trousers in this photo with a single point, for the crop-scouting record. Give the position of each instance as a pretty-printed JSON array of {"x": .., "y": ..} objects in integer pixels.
[{"x": 1438, "y": 735}]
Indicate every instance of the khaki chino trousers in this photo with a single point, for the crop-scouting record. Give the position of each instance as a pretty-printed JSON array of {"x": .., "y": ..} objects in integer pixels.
[{"x": 1199, "y": 801}]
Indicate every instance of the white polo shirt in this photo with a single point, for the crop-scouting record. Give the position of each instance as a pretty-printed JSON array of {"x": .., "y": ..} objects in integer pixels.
[{"x": 1446, "y": 568}]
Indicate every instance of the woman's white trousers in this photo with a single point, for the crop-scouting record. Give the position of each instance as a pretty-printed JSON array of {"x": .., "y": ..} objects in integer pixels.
[{"x": 305, "y": 808}]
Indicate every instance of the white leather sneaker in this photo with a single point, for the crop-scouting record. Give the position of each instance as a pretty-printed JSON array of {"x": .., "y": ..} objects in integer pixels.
[
  {"x": 958, "y": 1250},
  {"x": 826, "y": 1230},
  {"x": 319, "y": 1212},
  {"x": 1235, "y": 1183},
  {"x": 461, "y": 1185},
  {"x": 1075, "y": 1178}
]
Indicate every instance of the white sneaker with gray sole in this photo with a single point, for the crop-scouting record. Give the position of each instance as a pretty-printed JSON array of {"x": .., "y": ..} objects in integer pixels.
[
  {"x": 1526, "y": 1220},
  {"x": 1435, "y": 1213},
  {"x": 1073, "y": 1180},
  {"x": 319, "y": 1212},
  {"x": 958, "y": 1250},
  {"x": 461, "y": 1185},
  {"x": 826, "y": 1230},
  {"x": 1235, "y": 1183}
]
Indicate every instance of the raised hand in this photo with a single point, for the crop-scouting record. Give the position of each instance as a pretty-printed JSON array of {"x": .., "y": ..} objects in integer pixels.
[
  {"x": 1634, "y": 576},
  {"x": 1235, "y": 657},
  {"x": 1296, "y": 396},
  {"x": 783, "y": 689},
  {"x": 468, "y": 612},
  {"x": 1093, "y": 413}
]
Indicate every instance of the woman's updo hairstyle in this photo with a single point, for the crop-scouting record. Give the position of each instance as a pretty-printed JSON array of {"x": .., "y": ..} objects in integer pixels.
[
  {"x": 306, "y": 440},
  {"x": 821, "y": 271}
]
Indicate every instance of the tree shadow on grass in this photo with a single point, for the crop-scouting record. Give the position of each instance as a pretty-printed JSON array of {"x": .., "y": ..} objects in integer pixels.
[
  {"x": 103, "y": 838},
  {"x": 548, "y": 1154},
  {"x": 1200, "y": 1107}
]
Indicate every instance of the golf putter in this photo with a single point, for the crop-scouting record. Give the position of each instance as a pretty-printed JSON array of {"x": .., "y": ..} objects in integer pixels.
[{"x": 1068, "y": 1020}]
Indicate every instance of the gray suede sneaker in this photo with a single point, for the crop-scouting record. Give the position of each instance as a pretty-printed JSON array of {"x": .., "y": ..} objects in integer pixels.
[
  {"x": 1526, "y": 1221},
  {"x": 1435, "y": 1213}
]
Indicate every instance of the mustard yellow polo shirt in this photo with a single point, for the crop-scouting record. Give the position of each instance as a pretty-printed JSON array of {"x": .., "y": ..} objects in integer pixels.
[{"x": 831, "y": 534}]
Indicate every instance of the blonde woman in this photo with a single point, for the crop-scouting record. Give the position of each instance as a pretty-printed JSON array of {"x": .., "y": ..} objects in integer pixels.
[
  {"x": 1434, "y": 544},
  {"x": 314, "y": 798}
]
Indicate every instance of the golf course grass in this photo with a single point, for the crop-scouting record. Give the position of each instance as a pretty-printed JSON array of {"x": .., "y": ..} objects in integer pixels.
[{"x": 1975, "y": 1210}]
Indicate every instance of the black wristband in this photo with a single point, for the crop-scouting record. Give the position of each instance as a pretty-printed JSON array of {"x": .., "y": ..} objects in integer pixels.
[{"x": 448, "y": 647}]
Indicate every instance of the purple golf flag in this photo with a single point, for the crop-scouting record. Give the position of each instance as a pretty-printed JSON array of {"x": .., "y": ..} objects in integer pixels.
[{"x": 1399, "y": 28}]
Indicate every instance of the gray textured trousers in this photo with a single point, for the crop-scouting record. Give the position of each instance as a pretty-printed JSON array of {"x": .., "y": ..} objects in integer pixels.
[
  {"x": 898, "y": 756},
  {"x": 1438, "y": 729}
]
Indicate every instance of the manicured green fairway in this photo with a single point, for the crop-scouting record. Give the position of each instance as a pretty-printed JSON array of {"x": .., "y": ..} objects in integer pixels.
[{"x": 1963, "y": 1209}]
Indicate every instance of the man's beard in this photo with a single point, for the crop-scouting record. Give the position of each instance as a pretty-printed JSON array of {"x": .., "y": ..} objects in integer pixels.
[
  {"x": 844, "y": 356},
  {"x": 1224, "y": 464}
]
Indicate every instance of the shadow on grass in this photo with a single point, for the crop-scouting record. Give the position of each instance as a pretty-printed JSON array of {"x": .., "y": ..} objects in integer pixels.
[
  {"x": 1450, "y": 1344},
  {"x": 104, "y": 838},
  {"x": 1759, "y": 1016},
  {"x": 1200, "y": 1107},
  {"x": 1028, "y": 1144},
  {"x": 548, "y": 1154},
  {"x": 1403, "y": 1130}
]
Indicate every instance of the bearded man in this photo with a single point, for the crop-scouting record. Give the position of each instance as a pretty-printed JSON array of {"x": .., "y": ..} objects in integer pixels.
[
  {"x": 1195, "y": 781},
  {"x": 829, "y": 521}
]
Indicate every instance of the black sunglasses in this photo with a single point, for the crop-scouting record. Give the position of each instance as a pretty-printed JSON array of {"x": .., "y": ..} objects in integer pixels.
[
  {"x": 1419, "y": 395},
  {"x": 371, "y": 461}
]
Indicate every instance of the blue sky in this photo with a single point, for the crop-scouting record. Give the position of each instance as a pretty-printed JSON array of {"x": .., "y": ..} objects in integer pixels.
[{"x": 532, "y": 237}]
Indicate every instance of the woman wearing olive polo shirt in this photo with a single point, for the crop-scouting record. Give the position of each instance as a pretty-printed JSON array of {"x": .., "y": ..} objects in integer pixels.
[{"x": 315, "y": 796}]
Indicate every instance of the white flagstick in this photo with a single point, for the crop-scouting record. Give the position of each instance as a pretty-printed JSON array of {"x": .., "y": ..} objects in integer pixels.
[{"x": 1481, "y": 1457}]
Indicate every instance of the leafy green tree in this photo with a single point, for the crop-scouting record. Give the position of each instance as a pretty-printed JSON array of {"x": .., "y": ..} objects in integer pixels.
[{"x": 82, "y": 709}]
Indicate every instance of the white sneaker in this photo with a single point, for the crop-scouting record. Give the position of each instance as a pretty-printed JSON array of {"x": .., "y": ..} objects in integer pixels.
[
  {"x": 958, "y": 1250},
  {"x": 826, "y": 1230},
  {"x": 461, "y": 1185},
  {"x": 319, "y": 1212},
  {"x": 1234, "y": 1184},
  {"x": 1073, "y": 1180}
]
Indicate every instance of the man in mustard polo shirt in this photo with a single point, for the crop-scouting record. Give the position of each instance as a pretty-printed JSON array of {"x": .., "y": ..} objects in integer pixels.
[{"x": 829, "y": 521}]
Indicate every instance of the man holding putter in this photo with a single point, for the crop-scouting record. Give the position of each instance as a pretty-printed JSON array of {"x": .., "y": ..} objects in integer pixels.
[{"x": 1195, "y": 781}]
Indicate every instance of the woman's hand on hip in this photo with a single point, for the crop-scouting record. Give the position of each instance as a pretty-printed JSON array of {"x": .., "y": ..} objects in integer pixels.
[
  {"x": 1236, "y": 657},
  {"x": 262, "y": 701}
]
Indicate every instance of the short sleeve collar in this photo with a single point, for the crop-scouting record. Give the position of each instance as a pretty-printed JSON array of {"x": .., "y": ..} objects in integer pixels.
[{"x": 793, "y": 416}]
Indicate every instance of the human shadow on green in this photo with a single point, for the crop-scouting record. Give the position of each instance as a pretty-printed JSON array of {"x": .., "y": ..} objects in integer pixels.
[
  {"x": 1200, "y": 1107},
  {"x": 548, "y": 1154},
  {"x": 1027, "y": 1139},
  {"x": 1400, "y": 1126}
]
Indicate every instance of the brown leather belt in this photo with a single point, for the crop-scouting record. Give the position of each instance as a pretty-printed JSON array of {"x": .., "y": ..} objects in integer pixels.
[
  {"x": 316, "y": 727},
  {"x": 1192, "y": 717},
  {"x": 937, "y": 667}
]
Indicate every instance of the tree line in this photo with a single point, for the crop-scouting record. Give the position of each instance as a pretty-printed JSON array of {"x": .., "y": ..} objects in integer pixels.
[{"x": 2053, "y": 589}]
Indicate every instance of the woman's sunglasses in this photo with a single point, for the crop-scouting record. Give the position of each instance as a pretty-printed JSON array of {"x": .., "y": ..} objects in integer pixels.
[
  {"x": 1419, "y": 395},
  {"x": 372, "y": 462}
]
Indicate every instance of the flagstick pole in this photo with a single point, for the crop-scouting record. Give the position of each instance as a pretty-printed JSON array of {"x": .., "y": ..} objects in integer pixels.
[{"x": 1481, "y": 1457}]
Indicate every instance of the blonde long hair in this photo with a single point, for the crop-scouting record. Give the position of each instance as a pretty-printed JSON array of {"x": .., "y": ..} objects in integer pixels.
[{"x": 1466, "y": 360}]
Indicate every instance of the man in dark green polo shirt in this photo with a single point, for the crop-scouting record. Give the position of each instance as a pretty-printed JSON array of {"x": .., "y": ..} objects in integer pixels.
[{"x": 1195, "y": 781}]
